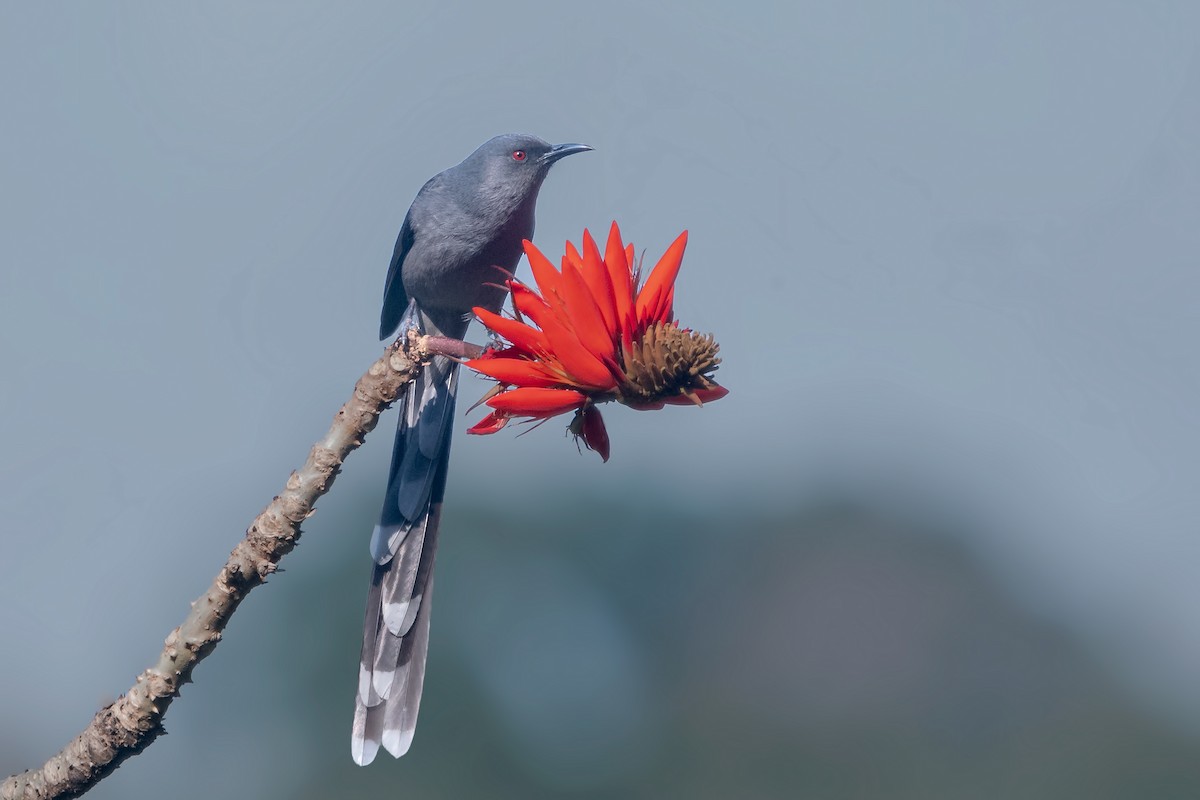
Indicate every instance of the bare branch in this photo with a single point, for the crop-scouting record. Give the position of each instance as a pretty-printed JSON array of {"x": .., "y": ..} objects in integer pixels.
[
  {"x": 445, "y": 346},
  {"x": 129, "y": 725}
]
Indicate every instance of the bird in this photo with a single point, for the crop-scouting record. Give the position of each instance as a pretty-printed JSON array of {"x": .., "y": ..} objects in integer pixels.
[{"x": 462, "y": 237}]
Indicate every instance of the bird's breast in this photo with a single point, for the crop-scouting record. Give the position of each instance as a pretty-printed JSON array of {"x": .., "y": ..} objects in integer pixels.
[{"x": 465, "y": 264}]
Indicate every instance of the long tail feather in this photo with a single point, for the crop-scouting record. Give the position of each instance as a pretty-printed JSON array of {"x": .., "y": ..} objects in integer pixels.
[{"x": 403, "y": 546}]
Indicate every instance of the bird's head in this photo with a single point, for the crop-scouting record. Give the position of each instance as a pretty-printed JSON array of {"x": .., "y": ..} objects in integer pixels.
[{"x": 518, "y": 162}]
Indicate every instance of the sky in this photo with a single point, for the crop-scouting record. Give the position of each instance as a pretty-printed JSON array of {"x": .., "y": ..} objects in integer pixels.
[{"x": 949, "y": 252}]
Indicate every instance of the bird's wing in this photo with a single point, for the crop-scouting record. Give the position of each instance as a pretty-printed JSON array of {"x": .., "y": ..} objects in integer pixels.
[
  {"x": 395, "y": 300},
  {"x": 419, "y": 219},
  {"x": 403, "y": 546}
]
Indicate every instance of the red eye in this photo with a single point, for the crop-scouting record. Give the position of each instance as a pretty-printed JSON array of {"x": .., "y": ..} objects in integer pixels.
[{"x": 518, "y": 155}]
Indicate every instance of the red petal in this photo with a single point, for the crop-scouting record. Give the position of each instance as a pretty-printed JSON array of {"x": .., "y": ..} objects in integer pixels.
[
  {"x": 585, "y": 369},
  {"x": 518, "y": 333},
  {"x": 489, "y": 424},
  {"x": 661, "y": 279},
  {"x": 585, "y": 317},
  {"x": 646, "y": 306},
  {"x": 594, "y": 434},
  {"x": 536, "y": 401},
  {"x": 595, "y": 274},
  {"x": 544, "y": 273},
  {"x": 517, "y": 371},
  {"x": 703, "y": 395},
  {"x": 526, "y": 301},
  {"x": 666, "y": 310},
  {"x": 572, "y": 254},
  {"x": 618, "y": 261}
]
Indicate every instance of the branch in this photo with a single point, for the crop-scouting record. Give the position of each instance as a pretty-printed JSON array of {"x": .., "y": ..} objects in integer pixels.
[{"x": 127, "y": 726}]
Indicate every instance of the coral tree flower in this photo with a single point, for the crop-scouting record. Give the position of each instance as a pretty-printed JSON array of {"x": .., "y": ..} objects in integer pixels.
[{"x": 589, "y": 333}]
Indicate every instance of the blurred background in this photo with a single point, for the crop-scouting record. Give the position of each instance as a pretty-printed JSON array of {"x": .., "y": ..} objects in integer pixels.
[{"x": 940, "y": 541}]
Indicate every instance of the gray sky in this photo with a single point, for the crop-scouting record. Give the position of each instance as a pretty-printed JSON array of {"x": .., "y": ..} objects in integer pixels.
[{"x": 949, "y": 251}]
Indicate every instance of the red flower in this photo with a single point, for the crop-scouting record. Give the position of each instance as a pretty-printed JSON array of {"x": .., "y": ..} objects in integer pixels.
[{"x": 591, "y": 334}]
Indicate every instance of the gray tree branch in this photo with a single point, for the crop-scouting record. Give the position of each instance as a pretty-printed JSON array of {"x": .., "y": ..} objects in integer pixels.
[{"x": 127, "y": 726}]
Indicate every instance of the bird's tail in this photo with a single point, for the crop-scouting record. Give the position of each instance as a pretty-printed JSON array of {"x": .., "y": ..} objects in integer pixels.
[{"x": 403, "y": 546}]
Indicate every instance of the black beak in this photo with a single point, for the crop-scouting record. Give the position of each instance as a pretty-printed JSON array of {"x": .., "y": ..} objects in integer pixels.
[{"x": 564, "y": 150}]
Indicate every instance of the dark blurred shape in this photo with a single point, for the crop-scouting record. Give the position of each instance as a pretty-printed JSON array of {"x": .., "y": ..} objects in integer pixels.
[{"x": 646, "y": 651}]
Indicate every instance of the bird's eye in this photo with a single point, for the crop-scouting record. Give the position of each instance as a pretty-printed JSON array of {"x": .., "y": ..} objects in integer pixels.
[{"x": 518, "y": 155}]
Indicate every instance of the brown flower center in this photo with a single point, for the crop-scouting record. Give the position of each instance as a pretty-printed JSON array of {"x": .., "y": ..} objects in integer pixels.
[{"x": 667, "y": 361}]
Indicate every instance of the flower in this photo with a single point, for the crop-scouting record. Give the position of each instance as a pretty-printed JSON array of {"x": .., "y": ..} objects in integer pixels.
[{"x": 589, "y": 334}]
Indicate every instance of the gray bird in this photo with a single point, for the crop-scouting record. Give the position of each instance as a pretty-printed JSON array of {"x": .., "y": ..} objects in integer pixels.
[{"x": 462, "y": 234}]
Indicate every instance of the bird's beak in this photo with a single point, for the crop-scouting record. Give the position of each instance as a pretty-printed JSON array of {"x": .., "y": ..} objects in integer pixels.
[{"x": 563, "y": 150}]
